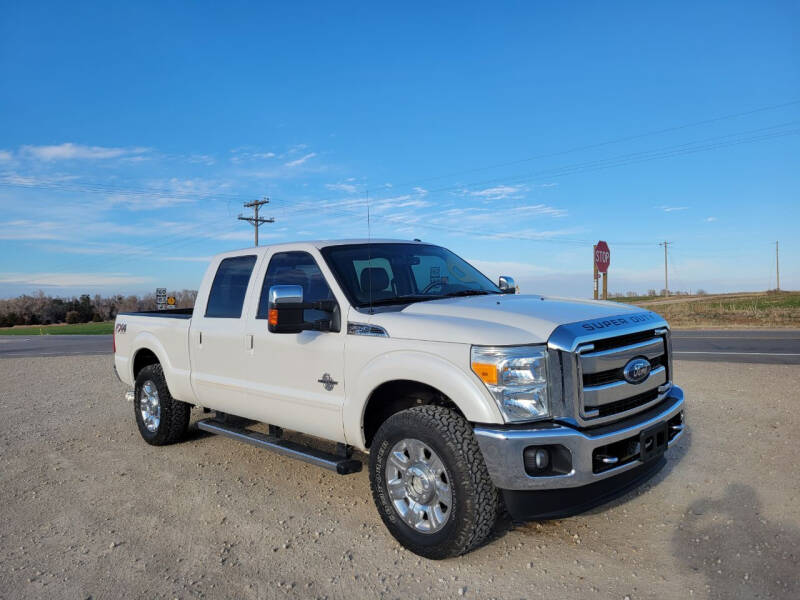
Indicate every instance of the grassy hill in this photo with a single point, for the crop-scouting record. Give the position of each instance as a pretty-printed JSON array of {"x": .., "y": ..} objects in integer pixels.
[{"x": 746, "y": 309}]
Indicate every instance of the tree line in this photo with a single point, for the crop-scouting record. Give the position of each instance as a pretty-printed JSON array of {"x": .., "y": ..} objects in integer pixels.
[{"x": 42, "y": 309}]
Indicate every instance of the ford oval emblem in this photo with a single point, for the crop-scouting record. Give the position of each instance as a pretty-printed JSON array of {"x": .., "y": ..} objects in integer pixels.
[{"x": 637, "y": 370}]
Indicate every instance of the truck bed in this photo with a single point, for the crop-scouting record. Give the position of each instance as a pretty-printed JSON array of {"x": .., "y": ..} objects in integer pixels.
[{"x": 177, "y": 313}]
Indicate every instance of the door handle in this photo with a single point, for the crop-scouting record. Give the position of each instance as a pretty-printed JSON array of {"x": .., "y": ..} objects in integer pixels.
[{"x": 248, "y": 342}]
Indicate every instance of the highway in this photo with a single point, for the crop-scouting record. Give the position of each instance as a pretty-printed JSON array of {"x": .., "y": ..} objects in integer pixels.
[
  {"x": 779, "y": 346},
  {"x": 17, "y": 346},
  {"x": 773, "y": 346}
]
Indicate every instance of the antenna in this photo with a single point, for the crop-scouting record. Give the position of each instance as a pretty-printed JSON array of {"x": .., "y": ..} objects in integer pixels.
[{"x": 369, "y": 252}]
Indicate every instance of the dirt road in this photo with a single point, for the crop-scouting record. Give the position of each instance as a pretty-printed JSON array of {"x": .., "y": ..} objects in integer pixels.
[{"x": 88, "y": 509}]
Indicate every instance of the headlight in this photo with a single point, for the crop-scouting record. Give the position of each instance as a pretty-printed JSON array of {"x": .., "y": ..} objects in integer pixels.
[{"x": 517, "y": 378}]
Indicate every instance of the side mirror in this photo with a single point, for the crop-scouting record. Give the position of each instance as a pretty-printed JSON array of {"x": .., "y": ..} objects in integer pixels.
[
  {"x": 507, "y": 285},
  {"x": 287, "y": 311}
]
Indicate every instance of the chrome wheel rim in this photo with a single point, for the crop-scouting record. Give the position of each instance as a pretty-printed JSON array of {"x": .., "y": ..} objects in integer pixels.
[
  {"x": 419, "y": 486},
  {"x": 149, "y": 406}
]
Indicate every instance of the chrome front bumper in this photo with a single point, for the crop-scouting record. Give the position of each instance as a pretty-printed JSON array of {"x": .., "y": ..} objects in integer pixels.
[{"x": 503, "y": 448}]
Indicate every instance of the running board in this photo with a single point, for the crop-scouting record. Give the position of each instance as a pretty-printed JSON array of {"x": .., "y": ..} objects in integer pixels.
[{"x": 332, "y": 462}]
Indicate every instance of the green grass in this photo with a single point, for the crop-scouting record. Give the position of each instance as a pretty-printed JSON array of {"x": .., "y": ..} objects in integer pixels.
[
  {"x": 767, "y": 309},
  {"x": 77, "y": 329}
]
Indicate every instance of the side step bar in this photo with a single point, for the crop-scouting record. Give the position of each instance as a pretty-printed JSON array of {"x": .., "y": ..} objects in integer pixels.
[{"x": 332, "y": 462}]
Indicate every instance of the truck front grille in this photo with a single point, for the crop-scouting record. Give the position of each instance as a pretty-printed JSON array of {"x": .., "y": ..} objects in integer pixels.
[{"x": 604, "y": 392}]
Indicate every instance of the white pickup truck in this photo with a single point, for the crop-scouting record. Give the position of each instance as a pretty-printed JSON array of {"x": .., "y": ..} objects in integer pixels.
[{"x": 469, "y": 398}]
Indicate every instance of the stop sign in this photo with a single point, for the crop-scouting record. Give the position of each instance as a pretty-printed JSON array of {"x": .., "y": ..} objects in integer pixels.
[{"x": 602, "y": 256}]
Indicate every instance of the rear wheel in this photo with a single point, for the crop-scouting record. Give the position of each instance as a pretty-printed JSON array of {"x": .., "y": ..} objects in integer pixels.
[
  {"x": 430, "y": 483},
  {"x": 161, "y": 419}
]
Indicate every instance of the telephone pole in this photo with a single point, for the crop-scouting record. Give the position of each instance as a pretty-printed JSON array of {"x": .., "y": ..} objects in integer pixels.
[
  {"x": 665, "y": 243},
  {"x": 255, "y": 220},
  {"x": 777, "y": 268}
]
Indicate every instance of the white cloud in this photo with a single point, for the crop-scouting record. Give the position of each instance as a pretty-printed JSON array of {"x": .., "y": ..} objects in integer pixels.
[
  {"x": 70, "y": 151},
  {"x": 299, "y": 161},
  {"x": 31, "y": 230},
  {"x": 5, "y": 155},
  {"x": 72, "y": 279},
  {"x": 499, "y": 192},
  {"x": 34, "y": 181},
  {"x": 537, "y": 209},
  {"x": 673, "y": 208},
  {"x": 347, "y": 188},
  {"x": 710, "y": 219},
  {"x": 244, "y": 154},
  {"x": 203, "y": 159}
]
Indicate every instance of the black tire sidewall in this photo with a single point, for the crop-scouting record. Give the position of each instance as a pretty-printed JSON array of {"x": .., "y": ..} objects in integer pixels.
[
  {"x": 155, "y": 374},
  {"x": 453, "y": 538}
]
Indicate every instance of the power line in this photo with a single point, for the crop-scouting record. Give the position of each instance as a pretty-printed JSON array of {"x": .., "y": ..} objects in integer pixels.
[
  {"x": 605, "y": 143},
  {"x": 255, "y": 220}
]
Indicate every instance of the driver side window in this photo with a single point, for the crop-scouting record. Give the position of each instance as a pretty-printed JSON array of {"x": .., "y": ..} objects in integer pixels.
[{"x": 295, "y": 268}]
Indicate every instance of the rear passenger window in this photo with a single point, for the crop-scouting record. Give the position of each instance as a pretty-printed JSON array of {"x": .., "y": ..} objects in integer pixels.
[{"x": 229, "y": 288}]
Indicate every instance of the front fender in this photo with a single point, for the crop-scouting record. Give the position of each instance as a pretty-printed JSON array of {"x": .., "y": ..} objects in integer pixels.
[{"x": 464, "y": 389}]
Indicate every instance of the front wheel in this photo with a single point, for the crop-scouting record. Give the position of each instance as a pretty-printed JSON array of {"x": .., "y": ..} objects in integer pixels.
[
  {"x": 430, "y": 483},
  {"x": 161, "y": 419}
]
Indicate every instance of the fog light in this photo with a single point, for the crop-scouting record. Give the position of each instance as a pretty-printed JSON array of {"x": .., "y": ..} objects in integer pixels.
[
  {"x": 546, "y": 461},
  {"x": 542, "y": 459}
]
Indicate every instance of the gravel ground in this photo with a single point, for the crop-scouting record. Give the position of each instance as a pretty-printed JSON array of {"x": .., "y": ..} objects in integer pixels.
[{"x": 90, "y": 510}]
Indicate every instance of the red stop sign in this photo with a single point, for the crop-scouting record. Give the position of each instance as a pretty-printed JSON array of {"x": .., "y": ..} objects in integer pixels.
[{"x": 602, "y": 256}]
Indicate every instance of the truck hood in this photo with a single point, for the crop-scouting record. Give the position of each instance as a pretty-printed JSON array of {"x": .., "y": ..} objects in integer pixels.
[{"x": 493, "y": 319}]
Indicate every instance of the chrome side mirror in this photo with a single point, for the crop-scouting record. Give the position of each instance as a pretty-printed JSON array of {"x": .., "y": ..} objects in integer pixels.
[
  {"x": 507, "y": 285},
  {"x": 285, "y": 294},
  {"x": 285, "y": 309}
]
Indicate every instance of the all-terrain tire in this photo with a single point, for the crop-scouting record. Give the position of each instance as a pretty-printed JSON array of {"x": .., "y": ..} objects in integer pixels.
[
  {"x": 475, "y": 500},
  {"x": 174, "y": 414}
]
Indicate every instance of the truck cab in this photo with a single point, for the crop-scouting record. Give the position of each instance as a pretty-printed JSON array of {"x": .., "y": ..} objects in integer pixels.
[{"x": 461, "y": 391}]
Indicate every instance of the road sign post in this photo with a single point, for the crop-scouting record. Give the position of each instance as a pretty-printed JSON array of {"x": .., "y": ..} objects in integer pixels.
[
  {"x": 161, "y": 298},
  {"x": 602, "y": 258}
]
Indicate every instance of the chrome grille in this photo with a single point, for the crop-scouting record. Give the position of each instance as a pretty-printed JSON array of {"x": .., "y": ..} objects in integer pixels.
[
  {"x": 604, "y": 392},
  {"x": 592, "y": 357}
]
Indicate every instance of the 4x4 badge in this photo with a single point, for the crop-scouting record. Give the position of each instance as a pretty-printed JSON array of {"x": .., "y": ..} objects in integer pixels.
[{"x": 327, "y": 382}]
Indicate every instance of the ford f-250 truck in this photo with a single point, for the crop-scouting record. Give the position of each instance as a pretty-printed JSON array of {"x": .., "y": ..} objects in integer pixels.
[{"x": 467, "y": 397}]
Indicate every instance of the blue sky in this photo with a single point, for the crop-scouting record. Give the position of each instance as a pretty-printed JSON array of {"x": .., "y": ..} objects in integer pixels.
[{"x": 515, "y": 134}]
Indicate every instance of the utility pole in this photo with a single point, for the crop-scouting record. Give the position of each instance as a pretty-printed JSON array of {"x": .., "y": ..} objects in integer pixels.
[
  {"x": 666, "y": 278},
  {"x": 255, "y": 220},
  {"x": 777, "y": 268}
]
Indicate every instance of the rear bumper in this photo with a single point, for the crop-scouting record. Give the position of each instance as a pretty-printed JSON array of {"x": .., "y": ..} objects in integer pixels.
[{"x": 503, "y": 448}]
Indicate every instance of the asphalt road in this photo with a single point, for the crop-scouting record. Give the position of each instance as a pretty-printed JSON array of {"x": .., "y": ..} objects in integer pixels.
[
  {"x": 722, "y": 345},
  {"x": 781, "y": 346},
  {"x": 18, "y": 346}
]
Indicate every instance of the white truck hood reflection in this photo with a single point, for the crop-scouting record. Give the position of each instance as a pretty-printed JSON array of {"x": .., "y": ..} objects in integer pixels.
[{"x": 493, "y": 319}]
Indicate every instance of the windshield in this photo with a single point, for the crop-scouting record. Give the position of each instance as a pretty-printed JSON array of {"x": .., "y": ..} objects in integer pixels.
[{"x": 377, "y": 274}]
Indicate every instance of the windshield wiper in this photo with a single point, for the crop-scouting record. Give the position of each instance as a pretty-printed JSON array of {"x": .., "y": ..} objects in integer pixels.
[
  {"x": 469, "y": 293},
  {"x": 406, "y": 299}
]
